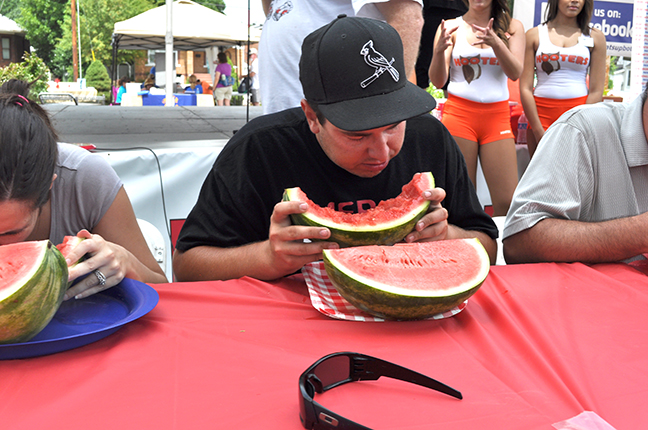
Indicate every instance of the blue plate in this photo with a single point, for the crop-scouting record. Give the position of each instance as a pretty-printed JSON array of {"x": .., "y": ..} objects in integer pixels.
[{"x": 80, "y": 322}]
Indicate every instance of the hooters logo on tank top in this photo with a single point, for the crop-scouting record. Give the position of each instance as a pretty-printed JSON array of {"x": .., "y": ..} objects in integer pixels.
[
  {"x": 550, "y": 62},
  {"x": 471, "y": 67}
]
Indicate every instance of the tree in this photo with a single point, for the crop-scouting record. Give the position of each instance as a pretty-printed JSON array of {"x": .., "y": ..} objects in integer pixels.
[
  {"x": 32, "y": 69},
  {"x": 43, "y": 19},
  {"x": 97, "y": 77},
  {"x": 97, "y": 19},
  {"x": 10, "y": 9},
  {"x": 217, "y": 5}
]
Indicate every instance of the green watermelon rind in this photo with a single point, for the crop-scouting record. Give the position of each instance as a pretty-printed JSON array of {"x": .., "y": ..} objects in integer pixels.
[
  {"x": 27, "y": 310},
  {"x": 393, "y": 303},
  {"x": 386, "y": 233}
]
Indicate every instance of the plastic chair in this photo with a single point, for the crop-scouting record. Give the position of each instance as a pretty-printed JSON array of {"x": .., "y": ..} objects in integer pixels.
[
  {"x": 499, "y": 222},
  {"x": 155, "y": 241}
]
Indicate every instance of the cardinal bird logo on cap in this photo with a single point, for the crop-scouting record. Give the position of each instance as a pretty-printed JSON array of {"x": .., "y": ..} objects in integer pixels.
[{"x": 378, "y": 61}]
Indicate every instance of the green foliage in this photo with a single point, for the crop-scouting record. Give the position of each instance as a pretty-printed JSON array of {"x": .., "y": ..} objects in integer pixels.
[
  {"x": 32, "y": 69},
  {"x": 10, "y": 9},
  {"x": 42, "y": 19},
  {"x": 217, "y": 5},
  {"x": 49, "y": 30},
  {"x": 97, "y": 77},
  {"x": 434, "y": 92}
]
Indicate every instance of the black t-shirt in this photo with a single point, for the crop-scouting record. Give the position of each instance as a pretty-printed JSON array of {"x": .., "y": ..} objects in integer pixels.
[{"x": 278, "y": 151}]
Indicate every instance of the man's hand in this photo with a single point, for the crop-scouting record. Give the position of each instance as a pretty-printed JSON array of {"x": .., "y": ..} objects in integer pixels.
[
  {"x": 287, "y": 250},
  {"x": 434, "y": 225}
]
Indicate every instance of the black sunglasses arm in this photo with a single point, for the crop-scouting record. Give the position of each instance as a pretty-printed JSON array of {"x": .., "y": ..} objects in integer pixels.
[{"x": 366, "y": 368}]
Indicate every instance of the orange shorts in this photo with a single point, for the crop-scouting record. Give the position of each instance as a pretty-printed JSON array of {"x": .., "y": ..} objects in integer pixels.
[
  {"x": 549, "y": 110},
  {"x": 478, "y": 122}
]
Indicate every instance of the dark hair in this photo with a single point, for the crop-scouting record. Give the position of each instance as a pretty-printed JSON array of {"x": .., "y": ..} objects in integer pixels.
[
  {"x": 28, "y": 148},
  {"x": 583, "y": 19},
  {"x": 222, "y": 57},
  {"x": 644, "y": 95},
  {"x": 501, "y": 15}
]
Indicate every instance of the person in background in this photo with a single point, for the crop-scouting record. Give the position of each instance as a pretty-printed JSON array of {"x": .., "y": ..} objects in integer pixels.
[
  {"x": 584, "y": 195},
  {"x": 121, "y": 83},
  {"x": 193, "y": 87},
  {"x": 50, "y": 190},
  {"x": 253, "y": 74},
  {"x": 349, "y": 145},
  {"x": 223, "y": 71},
  {"x": 288, "y": 22},
  {"x": 560, "y": 52},
  {"x": 148, "y": 83},
  {"x": 434, "y": 11},
  {"x": 479, "y": 51},
  {"x": 206, "y": 88}
]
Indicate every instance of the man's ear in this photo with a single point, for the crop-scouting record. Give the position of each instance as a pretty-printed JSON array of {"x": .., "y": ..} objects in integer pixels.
[{"x": 311, "y": 117}]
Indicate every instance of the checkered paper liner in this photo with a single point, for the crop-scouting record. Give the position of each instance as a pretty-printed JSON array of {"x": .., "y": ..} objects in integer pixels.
[{"x": 328, "y": 301}]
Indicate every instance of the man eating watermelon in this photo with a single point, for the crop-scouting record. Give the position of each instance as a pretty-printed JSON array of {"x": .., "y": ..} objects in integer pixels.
[{"x": 361, "y": 133}]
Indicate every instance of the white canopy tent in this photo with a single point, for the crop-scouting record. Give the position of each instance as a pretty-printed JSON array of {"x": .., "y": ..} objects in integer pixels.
[{"x": 194, "y": 28}]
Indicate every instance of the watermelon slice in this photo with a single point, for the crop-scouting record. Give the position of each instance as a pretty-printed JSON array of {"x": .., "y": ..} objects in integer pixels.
[
  {"x": 408, "y": 281},
  {"x": 33, "y": 280},
  {"x": 68, "y": 244},
  {"x": 387, "y": 223}
]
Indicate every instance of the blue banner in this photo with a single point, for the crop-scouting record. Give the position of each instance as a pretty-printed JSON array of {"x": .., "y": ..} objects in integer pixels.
[{"x": 614, "y": 19}]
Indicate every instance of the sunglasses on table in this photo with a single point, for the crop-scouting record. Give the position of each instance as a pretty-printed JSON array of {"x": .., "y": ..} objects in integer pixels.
[{"x": 336, "y": 369}]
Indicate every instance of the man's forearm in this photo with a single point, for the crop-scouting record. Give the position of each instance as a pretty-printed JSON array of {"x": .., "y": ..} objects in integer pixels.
[
  {"x": 406, "y": 16},
  {"x": 208, "y": 263},
  {"x": 589, "y": 242}
]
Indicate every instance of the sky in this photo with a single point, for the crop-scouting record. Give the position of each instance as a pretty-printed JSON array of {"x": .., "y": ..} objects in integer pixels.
[{"x": 238, "y": 10}]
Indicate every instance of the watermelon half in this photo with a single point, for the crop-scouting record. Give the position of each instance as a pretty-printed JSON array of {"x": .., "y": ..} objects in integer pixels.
[
  {"x": 408, "y": 281},
  {"x": 33, "y": 280},
  {"x": 387, "y": 223}
]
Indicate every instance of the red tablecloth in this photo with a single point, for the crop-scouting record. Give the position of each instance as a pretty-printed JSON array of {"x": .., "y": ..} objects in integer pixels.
[{"x": 537, "y": 344}]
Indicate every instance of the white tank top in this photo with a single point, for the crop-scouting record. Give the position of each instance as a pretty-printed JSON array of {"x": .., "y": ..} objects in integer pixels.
[
  {"x": 561, "y": 72},
  {"x": 475, "y": 73}
]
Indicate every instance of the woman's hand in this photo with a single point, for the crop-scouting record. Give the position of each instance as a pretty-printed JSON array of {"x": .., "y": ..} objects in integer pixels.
[
  {"x": 485, "y": 35},
  {"x": 444, "y": 39},
  {"x": 104, "y": 265}
]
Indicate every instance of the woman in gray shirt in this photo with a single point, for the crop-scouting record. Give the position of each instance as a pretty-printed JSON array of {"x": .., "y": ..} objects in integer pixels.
[{"x": 50, "y": 190}]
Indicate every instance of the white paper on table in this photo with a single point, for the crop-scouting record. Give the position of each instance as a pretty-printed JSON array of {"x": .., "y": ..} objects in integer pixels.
[{"x": 587, "y": 420}]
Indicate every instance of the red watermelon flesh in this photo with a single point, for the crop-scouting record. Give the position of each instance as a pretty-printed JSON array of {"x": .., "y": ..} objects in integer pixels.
[
  {"x": 17, "y": 261},
  {"x": 408, "y": 200},
  {"x": 387, "y": 223},
  {"x": 68, "y": 244}
]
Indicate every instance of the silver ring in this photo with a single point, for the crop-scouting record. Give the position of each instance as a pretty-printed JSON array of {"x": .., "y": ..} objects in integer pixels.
[{"x": 101, "y": 277}]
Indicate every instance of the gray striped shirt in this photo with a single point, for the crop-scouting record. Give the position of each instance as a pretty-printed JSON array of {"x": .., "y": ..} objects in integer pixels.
[{"x": 591, "y": 165}]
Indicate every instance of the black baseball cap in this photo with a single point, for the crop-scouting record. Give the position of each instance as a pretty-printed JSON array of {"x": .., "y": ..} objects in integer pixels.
[{"x": 353, "y": 69}]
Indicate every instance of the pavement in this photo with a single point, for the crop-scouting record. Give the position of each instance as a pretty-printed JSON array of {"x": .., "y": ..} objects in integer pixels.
[{"x": 150, "y": 126}]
